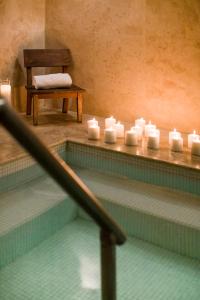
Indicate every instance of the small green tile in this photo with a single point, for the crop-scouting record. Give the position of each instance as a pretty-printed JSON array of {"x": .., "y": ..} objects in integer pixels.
[
  {"x": 134, "y": 167},
  {"x": 66, "y": 267}
]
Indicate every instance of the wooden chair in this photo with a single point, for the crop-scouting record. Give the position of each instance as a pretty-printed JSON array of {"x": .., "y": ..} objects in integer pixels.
[{"x": 50, "y": 58}]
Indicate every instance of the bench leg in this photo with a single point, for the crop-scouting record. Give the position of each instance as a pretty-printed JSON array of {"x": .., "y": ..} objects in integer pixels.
[
  {"x": 35, "y": 110},
  {"x": 79, "y": 107},
  {"x": 65, "y": 106},
  {"x": 28, "y": 103}
]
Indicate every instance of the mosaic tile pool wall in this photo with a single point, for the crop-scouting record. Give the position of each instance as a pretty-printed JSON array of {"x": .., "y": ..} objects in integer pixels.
[
  {"x": 24, "y": 169},
  {"x": 110, "y": 162},
  {"x": 16, "y": 240},
  {"x": 134, "y": 167}
]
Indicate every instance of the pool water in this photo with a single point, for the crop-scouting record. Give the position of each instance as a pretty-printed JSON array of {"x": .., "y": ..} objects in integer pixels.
[
  {"x": 66, "y": 267},
  {"x": 50, "y": 247}
]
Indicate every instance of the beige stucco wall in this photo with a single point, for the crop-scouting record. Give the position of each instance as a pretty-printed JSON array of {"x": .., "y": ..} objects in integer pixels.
[
  {"x": 134, "y": 57},
  {"x": 22, "y": 25}
]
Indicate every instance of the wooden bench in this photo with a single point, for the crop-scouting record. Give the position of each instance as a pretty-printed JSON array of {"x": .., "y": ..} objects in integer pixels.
[{"x": 50, "y": 58}]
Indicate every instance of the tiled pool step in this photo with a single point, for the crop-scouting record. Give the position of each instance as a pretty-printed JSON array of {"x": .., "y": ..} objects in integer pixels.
[
  {"x": 34, "y": 210},
  {"x": 141, "y": 168},
  {"x": 165, "y": 217},
  {"x": 31, "y": 213},
  {"x": 66, "y": 266}
]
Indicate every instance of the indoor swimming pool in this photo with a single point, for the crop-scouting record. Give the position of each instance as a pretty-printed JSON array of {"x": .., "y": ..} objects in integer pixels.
[{"x": 50, "y": 247}]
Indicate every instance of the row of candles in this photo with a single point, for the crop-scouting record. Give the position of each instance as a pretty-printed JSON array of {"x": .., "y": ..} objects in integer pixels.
[{"x": 132, "y": 137}]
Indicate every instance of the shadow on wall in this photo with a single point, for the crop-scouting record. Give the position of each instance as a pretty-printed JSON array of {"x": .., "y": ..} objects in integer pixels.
[
  {"x": 18, "y": 79},
  {"x": 18, "y": 76}
]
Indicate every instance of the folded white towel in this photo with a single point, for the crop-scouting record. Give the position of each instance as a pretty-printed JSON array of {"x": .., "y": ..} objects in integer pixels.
[{"x": 49, "y": 81}]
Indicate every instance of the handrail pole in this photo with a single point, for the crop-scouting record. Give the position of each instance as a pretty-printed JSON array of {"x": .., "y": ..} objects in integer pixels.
[{"x": 108, "y": 265}]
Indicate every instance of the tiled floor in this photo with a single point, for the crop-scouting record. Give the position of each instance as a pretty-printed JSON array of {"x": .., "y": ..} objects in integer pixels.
[
  {"x": 53, "y": 128},
  {"x": 66, "y": 267}
]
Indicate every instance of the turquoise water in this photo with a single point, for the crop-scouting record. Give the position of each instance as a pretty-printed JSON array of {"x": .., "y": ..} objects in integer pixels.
[
  {"x": 66, "y": 267},
  {"x": 50, "y": 247},
  {"x": 165, "y": 217}
]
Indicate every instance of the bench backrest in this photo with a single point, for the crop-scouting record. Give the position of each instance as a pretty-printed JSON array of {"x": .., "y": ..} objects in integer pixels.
[{"x": 45, "y": 58}]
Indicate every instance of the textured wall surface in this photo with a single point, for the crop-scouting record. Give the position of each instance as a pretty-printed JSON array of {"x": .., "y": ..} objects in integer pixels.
[
  {"x": 22, "y": 26},
  {"x": 134, "y": 57}
]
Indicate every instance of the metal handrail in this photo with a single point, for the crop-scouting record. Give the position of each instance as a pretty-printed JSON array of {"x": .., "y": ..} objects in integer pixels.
[{"x": 61, "y": 172}]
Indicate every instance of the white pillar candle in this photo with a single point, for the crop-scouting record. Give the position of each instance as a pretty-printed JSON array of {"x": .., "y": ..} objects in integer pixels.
[
  {"x": 191, "y": 137},
  {"x": 176, "y": 144},
  {"x": 196, "y": 147},
  {"x": 140, "y": 122},
  {"x": 92, "y": 122},
  {"x": 148, "y": 128},
  {"x": 153, "y": 141},
  {"x": 5, "y": 90},
  {"x": 154, "y": 132},
  {"x": 110, "y": 135},
  {"x": 173, "y": 134},
  {"x": 139, "y": 131},
  {"x": 131, "y": 138},
  {"x": 119, "y": 129},
  {"x": 110, "y": 122},
  {"x": 94, "y": 132}
]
